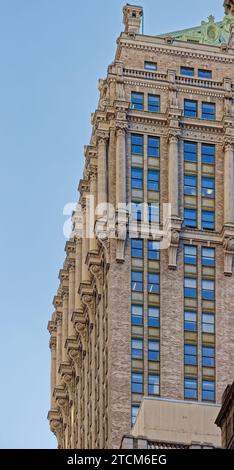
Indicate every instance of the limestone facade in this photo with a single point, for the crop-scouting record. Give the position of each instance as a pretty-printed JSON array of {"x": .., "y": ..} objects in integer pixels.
[{"x": 93, "y": 398}]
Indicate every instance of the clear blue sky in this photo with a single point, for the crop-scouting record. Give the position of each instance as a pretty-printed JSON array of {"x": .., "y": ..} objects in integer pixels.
[{"x": 52, "y": 53}]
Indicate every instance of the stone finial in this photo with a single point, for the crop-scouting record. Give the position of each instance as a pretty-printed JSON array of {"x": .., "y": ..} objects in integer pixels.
[
  {"x": 132, "y": 18},
  {"x": 229, "y": 7}
]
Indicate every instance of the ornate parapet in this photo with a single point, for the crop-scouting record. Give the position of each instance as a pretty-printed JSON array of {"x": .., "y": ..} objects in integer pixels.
[{"x": 228, "y": 247}]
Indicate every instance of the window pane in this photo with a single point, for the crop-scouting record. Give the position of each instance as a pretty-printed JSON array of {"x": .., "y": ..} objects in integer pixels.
[
  {"x": 153, "y": 146},
  {"x": 137, "y": 314},
  {"x": 208, "y": 390},
  {"x": 208, "y": 256},
  {"x": 190, "y": 108},
  {"x": 208, "y": 154},
  {"x": 190, "y": 388},
  {"x": 190, "y": 151},
  {"x": 189, "y": 71},
  {"x": 153, "y": 384},
  {"x": 137, "y": 178},
  {"x": 153, "y": 180},
  {"x": 190, "y": 254},
  {"x": 154, "y": 103},
  {"x": 153, "y": 250},
  {"x": 150, "y": 66},
  {"x": 204, "y": 73},
  {"x": 190, "y": 218},
  {"x": 208, "y": 219},
  {"x": 137, "y": 101},
  {"x": 137, "y": 144},
  {"x": 190, "y": 185},
  {"x": 153, "y": 317},
  {"x": 208, "y": 111},
  {"x": 190, "y": 321},
  {"x": 137, "y": 248}
]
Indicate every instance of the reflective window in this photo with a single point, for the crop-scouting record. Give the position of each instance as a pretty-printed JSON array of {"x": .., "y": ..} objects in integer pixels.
[
  {"x": 190, "y": 151},
  {"x": 137, "y": 348},
  {"x": 153, "y": 180},
  {"x": 150, "y": 66},
  {"x": 153, "y": 250},
  {"x": 205, "y": 74},
  {"x": 153, "y": 213},
  {"x": 137, "y": 144},
  {"x": 190, "y": 108},
  {"x": 190, "y": 321},
  {"x": 153, "y": 283},
  {"x": 137, "y": 178},
  {"x": 190, "y": 388},
  {"x": 153, "y": 146},
  {"x": 208, "y": 289},
  {"x": 153, "y": 317},
  {"x": 154, "y": 104},
  {"x": 190, "y": 254},
  {"x": 208, "y": 256},
  {"x": 208, "y": 154},
  {"x": 208, "y": 323},
  {"x": 190, "y": 185},
  {"x": 135, "y": 409},
  {"x": 188, "y": 71},
  {"x": 137, "y": 382},
  {"x": 208, "y": 220},
  {"x": 137, "y": 248},
  {"x": 153, "y": 350},
  {"x": 208, "y": 111},
  {"x": 190, "y": 354},
  {"x": 208, "y": 390},
  {"x": 153, "y": 384},
  {"x": 137, "y": 101},
  {"x": 137, "y": 281},
  {"x": 208, "y": 187},
  {"x": 190, "y": 218},
  {"x": 190, "y": 287},
  {"x": 208, "y": 356}
]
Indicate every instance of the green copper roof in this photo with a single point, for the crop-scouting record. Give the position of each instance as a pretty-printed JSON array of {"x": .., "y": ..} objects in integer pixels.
[{"x": 209, "y": 32}]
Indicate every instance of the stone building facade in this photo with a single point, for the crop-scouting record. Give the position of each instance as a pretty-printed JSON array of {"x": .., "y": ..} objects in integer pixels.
[
  {"x": 225, "y": 419},
  {"x": 131, "y": 319}
]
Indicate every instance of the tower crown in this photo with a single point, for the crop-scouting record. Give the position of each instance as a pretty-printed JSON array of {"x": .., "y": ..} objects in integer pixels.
[{"x": 132, "y": 18}]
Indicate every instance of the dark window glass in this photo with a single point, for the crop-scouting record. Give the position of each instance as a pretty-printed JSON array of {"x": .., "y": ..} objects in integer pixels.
[
  {"x": 190, "y": 287},
  {"x": 153, "y": 350},
  {"x": 137, "y": 281},
  {"x": 153, "y": 104},
  {"x": 137, "y": 348},
  {"x": 153, "y": 283},
  {"x": 153, "y": 317},
  {"x": 150, "y": 66},
  {"x": 153, "y": 146},
  {"x": 208, "y": 111},
  {"x": 137, "y": 144},
  {"x": 190, "y": 354},
  {"x": 190, "y": 218},
  {"x": 190, "y": 321},
  {"x": 137, "y": 248},
  {"x": 190, "y": 185},
  {"x": 190, "y": 151},
  {"x": 153, "y": 180},
  {"x": 153, "y": 384},
  {"x": 205, "y": 74},
  {"x": 190, "y": 108},
  {"x": 137, "y": 315},
  {"x": 190, "y": 254},
  {"x": 208, "y": 390},
  {"x": 188, "y": 71},
  {"x": 208, "y": 256},
  {"x": 190, "y": 388},
  {"x": 208, "y": 220},
  {"x": 208, "y": 356},
  {"x": 208, "y": 154},
  {"x": 208, "y": 187},
  {"x": 138, "y": 101},
  {"x": 137, "y": 178},
  {"x": 153, "y": 250},
  {"x": 137, "y": 382}
]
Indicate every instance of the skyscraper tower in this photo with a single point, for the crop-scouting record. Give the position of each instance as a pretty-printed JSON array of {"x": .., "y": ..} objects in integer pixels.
[{"x": 141, "y": 312}]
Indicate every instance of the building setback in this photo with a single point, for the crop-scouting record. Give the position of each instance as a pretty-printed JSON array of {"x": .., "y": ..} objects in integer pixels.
[{"x": 130, "y": 319}]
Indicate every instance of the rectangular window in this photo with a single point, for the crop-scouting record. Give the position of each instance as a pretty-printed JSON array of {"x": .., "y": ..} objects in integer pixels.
[
  {"x": 190, "y": 388},
  {"x": 208, "y": 111},
  {"x": 208, "y": 256},
  {"x": 153, "y": 317},
  {"x": 137, "y": 144},
  {"x": 137, "y": 315},
  {"x": 153, "y": 350},
  {"x": 208, "y": 356},
  {"x": 153, "y": 384},
  {"x": 137, "y": 348},
  {"x": 137, "y": 281},
  {"x": 190, "y": 185},
  {"x": 190, "y": 218},
  {"x": 190, "y": 152},
  {"x": 208, "y": 323},
  {"x": 190, "y": 108},
  {"x": 153, "y": 283},
  {"x": 190, "y": 254},
  {"x": 205, "y": 74},
  {"x": 137, "y": 382},
  {"x": 190, "y": 321},
  {"x": 208, "y": 289},
  {"x": 190, "y": 287},
  {"x": 137, "y": 248},
  {"x": 153, "y": 213},
  {"x": 153, "y": 180},
  {"x": 208, "y": 154},
  {"x": 188, "y": 71},
  {"x": 137, "y": 178},
  {"x": 154, "y": 103},
  {"x": 137, "y": 101},
  {"x": 208, "y": 187},
  {"x": 150, "y": 66},
  {"x": 153, "y": 250},
  {"x": 153, "y": 147},
  {"x": 135, "y": 409},
  {"x": 208, "y": 390},
  {"x": 190, "y": 354},
  {"x": 208, "y": 220}
]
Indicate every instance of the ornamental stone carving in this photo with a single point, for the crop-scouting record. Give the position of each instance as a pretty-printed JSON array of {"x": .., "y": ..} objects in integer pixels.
[{"x": 229, "y": 7}]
